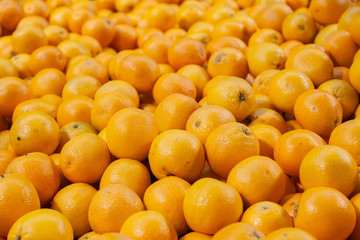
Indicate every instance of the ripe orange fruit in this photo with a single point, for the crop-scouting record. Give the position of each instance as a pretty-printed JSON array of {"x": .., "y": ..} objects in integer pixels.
[
  {"x": 161, "y": 16},
  {"x": 341, "y": 73},
  {"x": 228, "y": 145},
  {"x": 345, "y": 136},
  {"x": 195, "y": 236},
  {"x": 139, "y": 70},
  {"x": 265, "y": 56},
  {"x": 128, "y": 172},
  {"x": 260, "y": 173},
  {"x": 174, "y": 111},
  {"x": 266, "y": 116},
  {"x": 34, "y": 132},
  {"x": 13, "y": 91},
  {"x": 266, "y": 35},
  {"x": 157, "y": 48},
  {"x": 316, "y": 64},
  {"x": 292, "y": 147},
  {"x": 111, "y": 206},
  {"x": 148, "y": 225},
  {"x": 325, "y": 213},
  {"x": 272, "y": 16},
  {"x": 354, "y": 74},
  {"x": 268, "y": 136},
  {"x": 113, "y": 236},
  {"x": 48, "y": 81},
  {"x": 88, "y": 66},
  {"x": 286, "y": 86},
  {"x": 211, "y": 215},
  {"x": 262, "y": 81},
  {"x": 267, "y": 217},
  {"x": 344, "y": 93},
  {"x": 228, "y": 61},
  {"x": 318, "y": 111},
  {"x": 35, "y": 104},
  {"x": 130, "y": 133},
  {"x": 21, "y": 63},
  {"x": 73, "y": 202},
  {"x": 229, "y": 27},
  {"x": 15, "y": 190},
  {"x": 299, "y": 26},
  {"x": 99, "y": 28},
  {"x": 176, "y": 153},
  {"x": 84, "y": 158},
  {"x": 27, "y": 39},
  {"x": 10, "y": 14},
  {"x": 6, "y": 156},
  {"x": 323, "y": 164},
  {"x": 328, "y": 11},
  {"x": 290, "y": 233},
  {"x": 234, "y": 94},
  {"x": 239, "y": 230},
  {"x": 42, "y": 224},
  {"x": 290, "y": 203},
  {"x": 7, "y": 68},
  {"x": 81, "y": 85},
  {"x": 77, "y": 18},
  {"x": 186, "y": 51}
]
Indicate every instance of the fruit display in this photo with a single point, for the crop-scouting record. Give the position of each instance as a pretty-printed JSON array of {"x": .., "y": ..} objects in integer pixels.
[{"x": 179, "y": 120}]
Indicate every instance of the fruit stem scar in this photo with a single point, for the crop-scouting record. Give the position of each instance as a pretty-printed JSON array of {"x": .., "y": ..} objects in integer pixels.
[
  {"x": 241, "y": 97},
  {"x": 245, "y": 132},
  {"x": 197, "y": 123},
  {"x": 2, "y": 176},
  {"x": 18, "y": 237},
  {"x": 75, "y": 126},
  {"x": 18, "y": 138}
]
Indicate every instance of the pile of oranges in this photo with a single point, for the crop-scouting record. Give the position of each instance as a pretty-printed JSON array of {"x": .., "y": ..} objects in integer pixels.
[{"x": 179, "y": 119}]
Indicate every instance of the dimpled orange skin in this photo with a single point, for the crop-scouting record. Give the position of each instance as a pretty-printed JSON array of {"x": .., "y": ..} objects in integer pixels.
[
  {"x": 211, "y": 215},
  {"x": 325, "y": 213}
]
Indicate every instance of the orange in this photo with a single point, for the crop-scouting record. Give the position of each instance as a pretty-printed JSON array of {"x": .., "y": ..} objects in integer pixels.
[
  {"x": 230, "y": 27},
  {"x": 90, "y": 236},
  {"x": 4, "y": 139},
  {"x": 290, "y": 45},
  {"x": 318, "y": 111},
  {"x": 106, "y": 106},
  {"x": 88, "y": 66},
  {"x": 344, "y": 93},
  {"x": 186, "y": 51},
  {"x": 265, "y": 56},
  {"x": 354, "y": 24},
  {"x": 161, "y": 16},
  {"x": 286, "y": 86},
  {"x": 346, "y": 17},
  {"x": 198, "y": 75},
  {"x": 72, "y": 48},
  {"x": 166, "y": 196},
  {"x": 60, "y": 15},
  {"x": 15, "y": 190},
  {"x": 72, "y": 130},
  {"x": 354, "y": 74},
  {"x": 297, "y": 4},
  {"x": 198, "y": 27},
  {"x": 80, "y": 85},
  {"x": 34, "y": 132},
  {"x": 100, "y": 29},
  {"x": 239, "y": 231},
  {"x": 33, "y": 21},
  {"x": 41, "y": 172},
  {"x": 84, "y": 158},
  {"x": 328, "y": 11},
  {"x": 341, "y": 73},
  {"x": 218, "y": 13},
  {"x": 76, "y": 108},
  {"x": 146, "y": 33},
  {"x": 355, "y": 201},
  {"x": 171, "y": 83},
  {"x": 114, "y": 236},
  {"x": 174, "y": 111},
  {"x": 6, "y": 156},
  {"x": 92, "y": 43},
  {"x": 263, "y": 101},
  {"x": 176, "y": 33},
  {"x": 267, "y": 217},
  {"x": 10, "y": 14},
  {"x": 268, "y": 136},
  {"x": 299, "y": 26},
  {"x": 325, "y": 213},
  {"x": 195, "y": 236},
  {"x": 128, "y": 172},
  {"x": 323, "y": 164},
  {"x": 35, "y": 104},
  {"x": 266, "y": 35},
  {"x": 189, "y": 13},
  {"x": 262, "y": 81},
  {"x": 130, "y": 133},
  {"x": 272, "y": 16},
  {"x": 267, "y": 116},
  {"x": 48, "y": 81},
  {"x": 205, "y": 119},
  {"x": 7, "y": 68},
  {"x": 125, "y": 37},
  {"x": 211, "y": 215},
  {"x": 292, "y": 147},
  {"x": 324, "y": 33},
  {"x": 258, "y": 179},
  {"x": 228, "y": 61},
  {"x": 157, "y": 48},
  {"x": 42, "y": 224},
  {"x": 21, "y": 63},
  {"x": 57, "y": 3},
  {"x": 176, "y": 153},
  {"x": 290, "y": 233},
  {"x": 111, "y": 206},
  {"x": 226, "y": 41},
  {"x": 7, "y": 48},
  {"x": 73, "y": 201},
  {"x": 228, "y": 145},
  {"x": 345, "y": 136},
  {"x": 148, "y": 225},
  {"x": 316, "y": 64},
  {"x": 55, "y": 34},
  {"x": 234, "y": 94},
  {"x": 28, "y": 38},
  {"x": 77, "y": 19},
  {"x": 120, "y": 18},
  {"x": 37, "y": 8},
  {"x": 290, "y": 203},
  {"x": 118, "y": 87},
  {"x": 139, "y": 70},
  {"x": 341, "y": 47}
]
